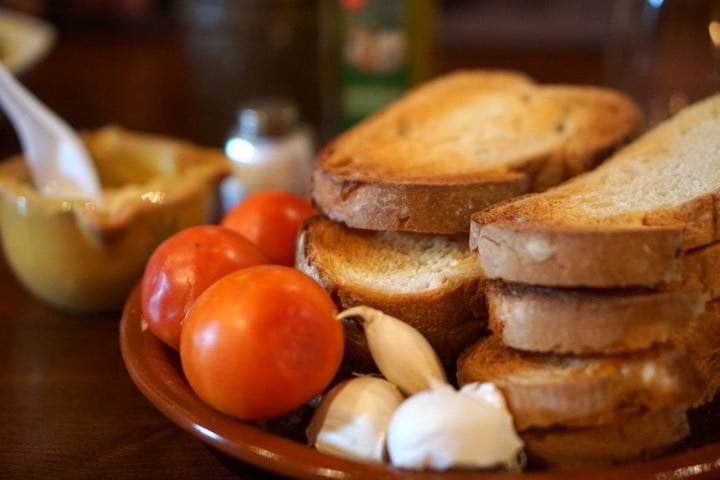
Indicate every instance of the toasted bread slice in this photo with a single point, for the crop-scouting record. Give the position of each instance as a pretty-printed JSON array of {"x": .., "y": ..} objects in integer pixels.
[
  {"x": 581, "y": 321},
  {"x": 432, "y": 282},
  {"x": 633, "y": 437},
  {"x": 544, "y": 390},
  {"x": 701, "y": 338},
  {"x": 625, "y": 223},
  {"x": 462, "y": 142},
  {"x": 563, "y": 320}
]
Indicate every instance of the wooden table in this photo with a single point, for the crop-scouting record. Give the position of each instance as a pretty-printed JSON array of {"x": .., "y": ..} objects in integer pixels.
[{"x": 68, "y": 408}]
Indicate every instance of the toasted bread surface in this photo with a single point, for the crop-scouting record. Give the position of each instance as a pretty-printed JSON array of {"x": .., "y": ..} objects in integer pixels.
[
  {"x": 632, "y": 437},
  {"x": 701, "y": 271},
  {"x": 581, "y": 321},
  {"x": 544, "y": 390},
  {"x": 462, "y": 142},
  {"x": 627, "y": 222},
  {"x": 701, "y": 338},
  {"x": 433, "y": 282},
  {"x": 570, "y": 320}
]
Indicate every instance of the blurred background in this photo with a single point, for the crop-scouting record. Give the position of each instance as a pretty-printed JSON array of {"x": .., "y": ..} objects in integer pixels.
[{"x": 182, "y": 67}]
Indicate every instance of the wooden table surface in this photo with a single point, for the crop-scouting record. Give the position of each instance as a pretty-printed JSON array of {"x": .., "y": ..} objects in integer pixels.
[{"x": 68, "y": 408}]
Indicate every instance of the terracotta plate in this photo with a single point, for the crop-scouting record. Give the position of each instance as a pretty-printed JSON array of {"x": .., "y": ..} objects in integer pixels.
[{"x": 278, "y": 446}]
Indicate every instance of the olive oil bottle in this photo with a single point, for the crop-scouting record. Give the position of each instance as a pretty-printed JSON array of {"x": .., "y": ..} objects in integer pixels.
[{"x": 372, "y": 51}]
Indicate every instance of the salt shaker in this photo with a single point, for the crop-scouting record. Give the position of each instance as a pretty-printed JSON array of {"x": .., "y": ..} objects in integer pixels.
[{"x": 269, "y": 148}]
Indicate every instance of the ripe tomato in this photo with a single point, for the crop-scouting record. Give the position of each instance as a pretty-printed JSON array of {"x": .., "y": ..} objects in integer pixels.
[
  {"x": 261, "y": 342},
  {"x": 182, "y": 267},
  {"x": 271, "y": 219}
]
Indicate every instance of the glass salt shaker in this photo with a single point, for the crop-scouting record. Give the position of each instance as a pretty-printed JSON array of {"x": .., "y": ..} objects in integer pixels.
[{"x": 269, "y": 148}]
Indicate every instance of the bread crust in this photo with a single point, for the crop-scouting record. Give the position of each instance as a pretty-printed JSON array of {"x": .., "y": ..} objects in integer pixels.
[
  {"x": 544, "y": 390},
  {"x": 450, "y": 315},
  {"x": 612, "y": 320},
  {"x": 544, "y": 319},
  {"x": 514, "y": 251},
  {"x": 464, "y": 141},
  {"x": 431, "y": 206},
  {"x": 625, "y": 223},
  {"x": 633, "y": 437},
  {"x": 701, "y": 338},
  {"x": 700, "y": 271}
]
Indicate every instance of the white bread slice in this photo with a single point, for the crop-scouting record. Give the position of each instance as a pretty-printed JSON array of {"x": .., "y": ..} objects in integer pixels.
[
  {"x": 625, "y": 223},
  {"x": 462, "y": 142},
  {"x": 545, "y": 390},
  {"x": 701, "y": 338},
  {"x": 432, "y": 282},
  {"x": 562, "y": 320},
  {"x": 633, "y": 437}
]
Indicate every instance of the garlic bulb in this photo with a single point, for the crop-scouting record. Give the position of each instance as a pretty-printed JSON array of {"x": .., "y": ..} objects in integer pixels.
[
  {"x": 445, "y": 428},
  {"x": 351, "y": 420},
  {"x": 401, "y": 353}
]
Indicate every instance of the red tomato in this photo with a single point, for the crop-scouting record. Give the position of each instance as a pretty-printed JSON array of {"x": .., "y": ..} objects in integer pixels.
[
  {"x": 271, "y": 219},
  {"x": 182, "y": 267},
  {"x": 261, "y": 342}
]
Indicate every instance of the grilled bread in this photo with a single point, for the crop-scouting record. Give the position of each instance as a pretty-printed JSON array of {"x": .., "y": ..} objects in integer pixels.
[
  {"x": 570, "y": 320},
  {"x": 432, "y": 282},
  {"x": 701, "y": 337},
  {"x": 462, "y": 142},
  {"x": 626, "y": 223},
  {"x": 544, "y": 390},
  {"x": 632, "y": 437}
]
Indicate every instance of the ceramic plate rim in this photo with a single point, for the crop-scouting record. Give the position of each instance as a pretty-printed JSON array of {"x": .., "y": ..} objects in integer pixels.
[{"x": 148, "y": 363}]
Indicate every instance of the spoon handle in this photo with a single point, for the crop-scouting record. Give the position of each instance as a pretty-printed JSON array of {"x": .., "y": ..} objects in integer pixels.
[{"x": 58, "y": 160}]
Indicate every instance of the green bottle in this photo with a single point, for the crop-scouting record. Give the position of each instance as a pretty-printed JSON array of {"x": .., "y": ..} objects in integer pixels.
[{"x": 380, "y": 49}]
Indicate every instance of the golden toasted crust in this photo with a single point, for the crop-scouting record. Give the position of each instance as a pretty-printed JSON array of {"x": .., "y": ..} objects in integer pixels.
[
  {"x": 701, "y": 338},
  {"x": 432, "y": 282},
  {"x": 631, "y": 438},
  {"x": 625, "y": 223},
  {"x": 462, "y": 142},
  {"x": 547, "y": 319},
  {"x": 544, "y": 390},
  {"x": 700, "y": 271},
  {"x": 415, "y": 207},
  {"x": 567, "y": 320}
]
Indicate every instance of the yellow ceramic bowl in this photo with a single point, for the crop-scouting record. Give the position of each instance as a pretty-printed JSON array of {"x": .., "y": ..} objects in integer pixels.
[{"x": 80, "y": 256}]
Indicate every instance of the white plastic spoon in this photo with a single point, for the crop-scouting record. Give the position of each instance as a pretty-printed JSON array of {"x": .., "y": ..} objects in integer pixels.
[{"x": 58, "y": 161}]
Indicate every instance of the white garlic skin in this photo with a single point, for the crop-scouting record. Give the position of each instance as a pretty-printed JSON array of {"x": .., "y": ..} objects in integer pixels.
[
  {"x": 352, "y": 419},
  {"x": 401, "y": 353},
  {"x": 444, "y": 428}
]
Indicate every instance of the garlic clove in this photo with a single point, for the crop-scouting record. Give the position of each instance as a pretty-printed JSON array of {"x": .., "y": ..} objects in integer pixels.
[
  {"x": 351, "y": 420},
  {"x": 401, "y": 353},
  {"x": 445, "y": 428}
]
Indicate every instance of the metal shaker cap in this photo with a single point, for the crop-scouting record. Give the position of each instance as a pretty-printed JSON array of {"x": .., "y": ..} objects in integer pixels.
[{"x": 267, "y": 117}]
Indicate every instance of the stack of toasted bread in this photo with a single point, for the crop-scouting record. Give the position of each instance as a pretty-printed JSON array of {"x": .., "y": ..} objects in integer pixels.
[
  {"x": 602, "y": 298},
  {"x": 477, "y": 201},
  {"x": 396, "y": 192}
]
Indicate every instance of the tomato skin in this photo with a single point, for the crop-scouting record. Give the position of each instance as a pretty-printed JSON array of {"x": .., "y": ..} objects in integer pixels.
[
  {"x": 182, "y": 267},
  {"x": 261, "y": 342},
  {"x": 271, "y": 219}
]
